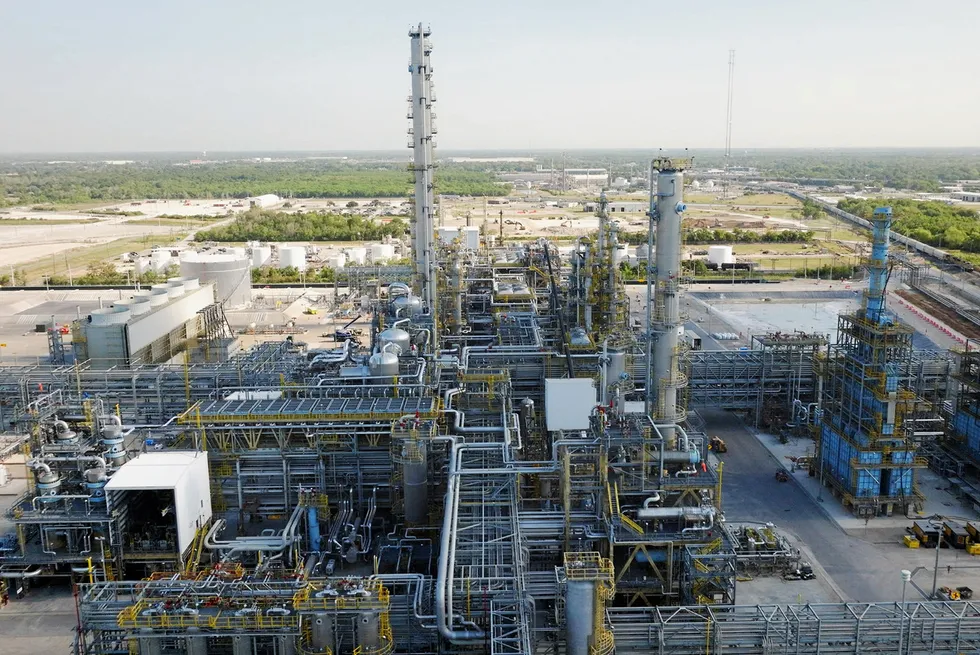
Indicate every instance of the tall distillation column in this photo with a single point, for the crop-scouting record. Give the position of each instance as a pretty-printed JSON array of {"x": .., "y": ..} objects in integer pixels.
[
  {"x": 664, "y": 313},
  {"x": 420, "y": 112}
]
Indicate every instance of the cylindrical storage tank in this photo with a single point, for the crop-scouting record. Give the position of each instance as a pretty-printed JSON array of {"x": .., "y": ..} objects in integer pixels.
[
  {"x": 620, "y": 254},
  {"x": 292, "y": 257},
  {"x": 579, "y": 616},
  {"x": 383, "y": 364},
  {"x": 357, "y": 256},
  {"x": 387, "y": 251},
  {"x": 143, "y": 265},
  {"x": 470, "y": 237},
  {"x": 377, "y": 253},
  {"x": 321, "y": 633},
  {"x": 238, "y": 251},
  {"x": 230, "y": 275},
  {"x": 395, "y": 336},
  {"x": 261, "y": 256},
  {"x": 643, "y": 251},
  {"x": 720, "y": 255},
  {"x": 160, "y": 260},
  {"x": 336, "y": 261}
]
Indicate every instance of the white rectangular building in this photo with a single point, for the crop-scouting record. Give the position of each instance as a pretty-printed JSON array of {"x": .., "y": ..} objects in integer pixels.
[{"x": 184, "y": 474}]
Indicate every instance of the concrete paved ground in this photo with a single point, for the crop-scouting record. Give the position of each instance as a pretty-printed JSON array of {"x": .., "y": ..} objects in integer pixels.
[
  {"x": 864, "y": 564},
  {"x": 43, "y": 622}
]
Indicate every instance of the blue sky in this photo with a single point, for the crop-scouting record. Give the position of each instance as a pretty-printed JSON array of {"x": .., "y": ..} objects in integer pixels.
[{"x": 118, "y": 75}]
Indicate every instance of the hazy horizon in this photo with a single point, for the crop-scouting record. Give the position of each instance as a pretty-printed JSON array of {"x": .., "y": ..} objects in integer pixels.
[{"x": 119, "y": 77}]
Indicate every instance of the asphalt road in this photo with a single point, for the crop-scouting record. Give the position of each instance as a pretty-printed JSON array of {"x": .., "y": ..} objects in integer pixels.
[{"x": 863, "y": 568}]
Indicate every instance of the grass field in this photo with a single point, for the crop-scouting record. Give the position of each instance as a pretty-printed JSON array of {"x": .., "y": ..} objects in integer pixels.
[
  {"x": 42, "y": 222},
  {"x": 754, "y": 199},
  {"x": 78, "y": 259}
]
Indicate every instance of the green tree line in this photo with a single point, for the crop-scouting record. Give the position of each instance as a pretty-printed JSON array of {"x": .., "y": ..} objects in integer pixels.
[
  {"x": 270, "y": 275},
  {"x": 706, "y": 235},
  {"x": 40, "y": 183},
  {"x": 932, "y": 222},
  {"x": 264, "y": 225},
  {"x": 105, "y": 273}
]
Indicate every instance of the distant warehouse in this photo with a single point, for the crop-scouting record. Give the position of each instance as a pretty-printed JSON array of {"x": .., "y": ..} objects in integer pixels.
[
  {"x": 966, "y": 196},
  {"x": 263, "y": 201}
]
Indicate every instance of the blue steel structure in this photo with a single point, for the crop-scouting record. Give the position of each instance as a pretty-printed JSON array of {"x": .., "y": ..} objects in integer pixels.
[
  {"x": 963, "y": 425},
  {"x": 866, "y": 454}
]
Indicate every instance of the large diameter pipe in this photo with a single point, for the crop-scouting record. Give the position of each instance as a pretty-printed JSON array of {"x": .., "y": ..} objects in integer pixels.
[{"x": 659, "y": 513}]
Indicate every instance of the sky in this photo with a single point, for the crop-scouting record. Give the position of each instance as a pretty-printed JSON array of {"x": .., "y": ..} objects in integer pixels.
[{"x": 237, "y": 75}]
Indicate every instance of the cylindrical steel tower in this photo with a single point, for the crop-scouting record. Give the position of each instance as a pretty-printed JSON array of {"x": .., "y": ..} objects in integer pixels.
[
  {"x": 666, "y": 376},
  {"x": 421, "y": 132}
]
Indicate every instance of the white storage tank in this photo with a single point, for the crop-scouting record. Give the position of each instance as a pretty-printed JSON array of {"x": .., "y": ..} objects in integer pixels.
[
  {"x": 357, "y": 256},
  {"x": 261, "y": 256},
  {"x": 143, "y": 265},
  {"x": 159, "y": 260},
  {"x": 720, "y": 255},
  {"x": 231, "y": 275},
  {"x": 336, "y": 261},
  {"x": 382, "y": 252},
  {"x": 642, "y": 252},
  {"x": 292, "y": 257},
  {"x": 470, "y": 237}
]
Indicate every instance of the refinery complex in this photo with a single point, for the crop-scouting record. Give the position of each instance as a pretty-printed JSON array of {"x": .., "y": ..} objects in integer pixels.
[{"x": 514, "y": 455}]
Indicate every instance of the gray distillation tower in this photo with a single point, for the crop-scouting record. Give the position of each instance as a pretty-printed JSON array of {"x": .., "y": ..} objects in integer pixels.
[
  {"x": 421, "y": 131},
  {"x": 664, "y": 377}
]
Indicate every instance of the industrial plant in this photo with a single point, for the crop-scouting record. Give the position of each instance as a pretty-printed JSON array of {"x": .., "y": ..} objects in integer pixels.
[{"x": 506, "y": 461}]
